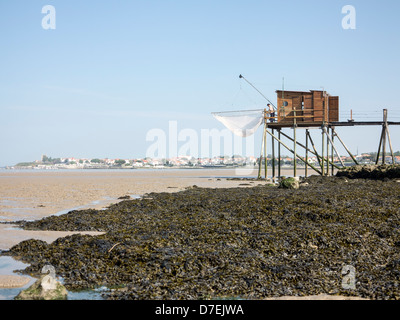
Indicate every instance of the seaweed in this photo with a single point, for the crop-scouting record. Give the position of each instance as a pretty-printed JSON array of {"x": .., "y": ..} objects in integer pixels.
[
  {"x": 250, "y": 243},
  {"x": 376, "y": 172}
]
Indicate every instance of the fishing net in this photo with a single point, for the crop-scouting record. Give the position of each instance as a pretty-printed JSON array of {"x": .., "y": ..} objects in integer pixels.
[{"x": 241, "y": 123}]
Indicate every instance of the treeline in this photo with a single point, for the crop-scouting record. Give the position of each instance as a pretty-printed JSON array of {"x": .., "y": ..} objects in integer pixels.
[{"x": 50, "y": 160}]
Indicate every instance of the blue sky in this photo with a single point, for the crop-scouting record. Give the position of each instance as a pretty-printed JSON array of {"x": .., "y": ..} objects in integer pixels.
[{"x": 113, "y": 70}]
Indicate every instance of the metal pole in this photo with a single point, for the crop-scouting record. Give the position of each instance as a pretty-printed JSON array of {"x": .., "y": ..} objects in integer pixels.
[{"x": 240, "y": 76}]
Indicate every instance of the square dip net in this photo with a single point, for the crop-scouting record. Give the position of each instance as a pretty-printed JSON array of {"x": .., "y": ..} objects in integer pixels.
[{"x": 241, "y": 123}]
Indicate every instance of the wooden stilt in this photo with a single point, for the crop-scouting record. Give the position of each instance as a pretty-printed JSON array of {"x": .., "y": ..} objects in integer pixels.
[
  {"x": 384, "y": 136},
  {"x": 327, "y": 151},
  {"x": 347, "y": 149},
  {"x": 306, "y": 168},
  {"x": 380, "y": 144},
  {"x": 313, "y": 152},
  {"x": 389, "y": 140},
  {"x": 333, "y": 148},
  {"x": 390, "y": 146},
  {"x": 261, "y": 155},
  {"x": 265, "y": 152},
  {"x": 323, "y": 151},
  {"x": 279, "y": 155},
  {"x": 292, "y": 151},
  {"x": 273, "y": 157},
  {"x": 332, "y": 154},
  {"x": 294, "y": 143}
]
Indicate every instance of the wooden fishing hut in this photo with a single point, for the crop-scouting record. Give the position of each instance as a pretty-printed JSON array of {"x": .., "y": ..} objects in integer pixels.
[
  {"x": 314, "y": 109},
  {"x": 306, "y": 107}
]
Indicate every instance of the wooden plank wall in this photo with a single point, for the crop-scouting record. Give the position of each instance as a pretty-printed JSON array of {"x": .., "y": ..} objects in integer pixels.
[
  {"x": 318, "y": 106},
  {"x": 333, "y": 108},
  {"x": 297, "y": 105},
  {"x": 313, "y": 105},
  {"x": 308, "y": 110}
]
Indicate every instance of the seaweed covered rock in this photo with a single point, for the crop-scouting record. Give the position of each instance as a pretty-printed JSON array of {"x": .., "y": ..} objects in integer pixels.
[
  {"x": 45, "y": 288},
  {"x": 375, "y": 172},
  {"x": 78, "y": 220},
  {"x": 289, "y": 183},
  {"x": 28, "y": 250}
]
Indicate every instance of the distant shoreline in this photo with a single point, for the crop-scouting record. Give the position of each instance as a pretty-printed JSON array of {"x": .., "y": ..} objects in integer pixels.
[{"x": 286, "y": 167}]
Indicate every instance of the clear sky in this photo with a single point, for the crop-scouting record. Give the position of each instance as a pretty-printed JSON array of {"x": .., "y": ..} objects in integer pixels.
[{"x": 113, "y": 70}]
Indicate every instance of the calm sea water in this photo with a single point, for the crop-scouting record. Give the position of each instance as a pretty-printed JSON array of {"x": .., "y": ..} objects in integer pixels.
[{"x": 212, "y": 172}]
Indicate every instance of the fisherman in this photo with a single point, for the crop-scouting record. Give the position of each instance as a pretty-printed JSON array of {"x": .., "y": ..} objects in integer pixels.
[{"x": 271, "y": 113}]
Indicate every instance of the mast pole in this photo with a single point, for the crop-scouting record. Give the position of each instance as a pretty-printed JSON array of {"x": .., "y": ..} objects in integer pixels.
[{"x": 241, "y": 77}]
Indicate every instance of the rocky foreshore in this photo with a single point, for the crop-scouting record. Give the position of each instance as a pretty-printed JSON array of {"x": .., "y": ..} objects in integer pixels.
[
  {"x": 376, "y": 172},
  {"x": 250, "y": 243}
]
